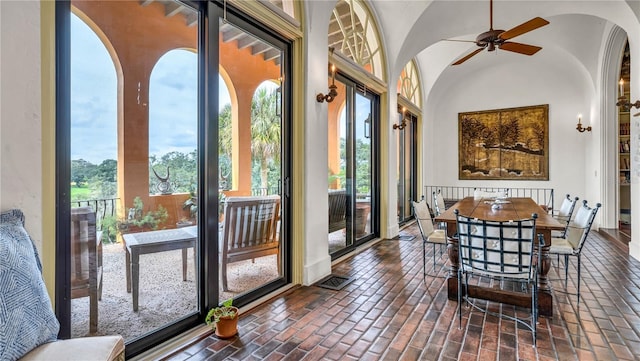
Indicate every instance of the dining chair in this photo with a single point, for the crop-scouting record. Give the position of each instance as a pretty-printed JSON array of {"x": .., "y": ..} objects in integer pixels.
[
  {"x": 439, "y": 207},
  {"x": 250, "y": 230},
  {"x": 564, "y": 214},
  {"x": 438, "y": 203},
  {"x": 573, "y": 242},
  {"x": 429, "y": 234},
  {"x": 502, "y": 251},
  {"x": 86, "y": 261}
]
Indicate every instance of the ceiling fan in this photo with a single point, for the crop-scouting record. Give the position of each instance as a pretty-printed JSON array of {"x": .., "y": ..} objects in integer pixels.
[{"x": 493, "y": 39}]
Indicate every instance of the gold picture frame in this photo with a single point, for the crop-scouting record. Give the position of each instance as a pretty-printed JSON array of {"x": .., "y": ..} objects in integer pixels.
[{"x": 509, "y": 144}]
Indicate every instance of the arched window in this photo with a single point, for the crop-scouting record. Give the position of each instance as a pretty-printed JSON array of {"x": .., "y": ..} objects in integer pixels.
[
  {"x": 353, "y": 32},
  {"x": 409, "y": 84},
  {"x": 94, "y": 96},
  {"x": 173, "y": 106},
  {"x": 288, "y": 6}
]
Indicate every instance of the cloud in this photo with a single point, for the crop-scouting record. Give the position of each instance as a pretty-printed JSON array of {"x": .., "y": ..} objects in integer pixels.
[{"x": 172, "y": 100}]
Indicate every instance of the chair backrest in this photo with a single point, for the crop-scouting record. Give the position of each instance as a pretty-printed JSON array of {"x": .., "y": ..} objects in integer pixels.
[
  {"x": 425, "y": 223},
  {"x": 438, "y": 203},
  {"x": 567, "y": 207},
  {"x": 250, "y": 224},
  {"x": 337, "y": 209},
  {"x": 566, "y": 212},
  {"x": 84, "y": 254},
  {"x": 497, "y": 248},
  {"x": 578, "y": 230}
]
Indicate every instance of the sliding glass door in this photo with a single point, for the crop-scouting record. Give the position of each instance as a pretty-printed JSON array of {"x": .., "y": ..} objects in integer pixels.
[
  {"x": 172, "y": 165},
  {"x": 353, "y": 163},
  {"x": 251, "y": 159},
  {"x": 133, "y": 104}
]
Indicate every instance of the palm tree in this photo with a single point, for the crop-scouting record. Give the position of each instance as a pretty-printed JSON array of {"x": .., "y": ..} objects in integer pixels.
[
  {"x": 225, "y": 145},
  {"x": 265, "y": 131}
]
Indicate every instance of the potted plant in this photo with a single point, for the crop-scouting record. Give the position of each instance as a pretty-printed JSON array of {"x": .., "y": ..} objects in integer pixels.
[
  {"x": 223, "y": 319},
  {"x": 139, "y": 221},
  {"x": 192, "y": 205}
]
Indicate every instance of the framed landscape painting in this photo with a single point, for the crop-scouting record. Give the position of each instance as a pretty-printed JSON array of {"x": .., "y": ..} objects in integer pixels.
[{"x": 509, "y": 144}]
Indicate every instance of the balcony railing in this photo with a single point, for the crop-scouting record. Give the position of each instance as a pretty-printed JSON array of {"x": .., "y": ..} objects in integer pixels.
[
  {"x": 102, "y": 207},
  {"x": 265, "y": 191},
  {"x": 452, "y": 194}
]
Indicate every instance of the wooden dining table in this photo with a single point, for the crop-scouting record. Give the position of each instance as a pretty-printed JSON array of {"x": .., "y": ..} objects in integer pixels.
[{"x": 510, "y": 209}]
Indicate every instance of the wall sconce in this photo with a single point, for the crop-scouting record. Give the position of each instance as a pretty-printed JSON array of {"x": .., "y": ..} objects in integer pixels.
[
  {"x": 622, "y": 99},
  {"x": 403, "y": 123},
  {"x": 579, "y": 126},
  {"x": 333, "y": 89}
]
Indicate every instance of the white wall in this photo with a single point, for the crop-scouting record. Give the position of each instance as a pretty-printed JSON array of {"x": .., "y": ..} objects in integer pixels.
[
  {"x": 20, "y": 112},
  {"x": 552, "y": 78}
]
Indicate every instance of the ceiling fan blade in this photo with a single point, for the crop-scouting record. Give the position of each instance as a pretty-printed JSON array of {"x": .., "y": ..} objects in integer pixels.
[
  {"x": 523, "y": 28},
  {"x": 466, "y": 57},
  {"x": 520, "y": 48}
]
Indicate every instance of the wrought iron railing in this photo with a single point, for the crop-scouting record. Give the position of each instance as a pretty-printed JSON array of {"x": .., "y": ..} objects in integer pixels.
[
  {"x": 452, "y": 194},
  {"x": 103, "y": 208},
  {"x": 265, "y": 191}
]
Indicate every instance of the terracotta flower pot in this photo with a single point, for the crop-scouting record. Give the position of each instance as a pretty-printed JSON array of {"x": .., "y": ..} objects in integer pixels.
[{"x": 227, "y": 327}]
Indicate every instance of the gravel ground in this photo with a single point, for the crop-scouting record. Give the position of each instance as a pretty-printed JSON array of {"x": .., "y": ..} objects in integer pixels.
[{"x": 164, "y": 296}]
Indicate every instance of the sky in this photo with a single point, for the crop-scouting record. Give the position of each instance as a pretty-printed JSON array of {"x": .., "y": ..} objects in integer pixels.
[{"x": 172, "y": 100}]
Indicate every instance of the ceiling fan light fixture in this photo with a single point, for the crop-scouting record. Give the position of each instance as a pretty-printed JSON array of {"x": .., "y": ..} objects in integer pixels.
[{"x": 493, "y": 39}]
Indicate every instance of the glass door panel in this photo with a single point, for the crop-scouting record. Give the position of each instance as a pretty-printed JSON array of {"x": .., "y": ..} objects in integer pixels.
[
  {"x": 363, "y": 166},
  {"x": 337, "y": 145},
  {"x": 351, "y": 135},
  {"x": 406, "y": 165},
  {"x": 250, "y": 161},
  {"x": 134, "y": 146}
]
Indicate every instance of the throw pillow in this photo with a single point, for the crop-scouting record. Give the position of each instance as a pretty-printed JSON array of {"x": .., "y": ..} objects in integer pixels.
[{"x": 27, "y": 319}]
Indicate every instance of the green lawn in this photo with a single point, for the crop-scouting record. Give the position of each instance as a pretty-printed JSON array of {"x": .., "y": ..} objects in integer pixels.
[{"x": 79, "y": 192}]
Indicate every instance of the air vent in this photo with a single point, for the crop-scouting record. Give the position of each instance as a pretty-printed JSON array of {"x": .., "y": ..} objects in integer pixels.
[
  {"x": 404, "y": 237},
  {"x": 334, "y": 282}
]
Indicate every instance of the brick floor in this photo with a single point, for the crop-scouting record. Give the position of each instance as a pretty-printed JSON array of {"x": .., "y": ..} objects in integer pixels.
[{"x": 389, "y": 313}]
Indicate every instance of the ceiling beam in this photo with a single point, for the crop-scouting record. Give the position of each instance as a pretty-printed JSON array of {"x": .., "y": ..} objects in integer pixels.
[
  {"x": 271, "y": 54},
  {"x": 259, "y": 48},
  {"x": 247, "y": 41},
  {"x": 171, "y": 9}
]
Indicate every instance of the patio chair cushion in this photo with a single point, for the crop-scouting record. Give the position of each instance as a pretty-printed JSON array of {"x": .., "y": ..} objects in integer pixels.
[
  {"x": 26, "y": 317},
  {"x": 97, "y": 348}
]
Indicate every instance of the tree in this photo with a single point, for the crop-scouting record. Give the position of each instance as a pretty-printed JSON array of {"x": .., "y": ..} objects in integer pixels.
[
  {"x": 225, "y": 146},
  {"x": 265, "y": 132},
  {"x": 107, "y": 170},
  {"x": 82, "y": 171},
  {"x": 508, "y": 134},
  {"x": 472, "y": 131},
  {"x": 182, "y": 170}
]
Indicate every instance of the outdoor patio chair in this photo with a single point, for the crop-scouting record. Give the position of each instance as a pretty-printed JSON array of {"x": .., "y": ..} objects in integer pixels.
[
  {"x": 250, "y": 230},
  {"x": 564, "y": 214},
  {"x": 572, "y": 244},
  {"x": 86, "y": 261},
  {"x": 337, "y": 209},
  {"x": 502, "y": 251},
  {"x": 428, "y": 233}
]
